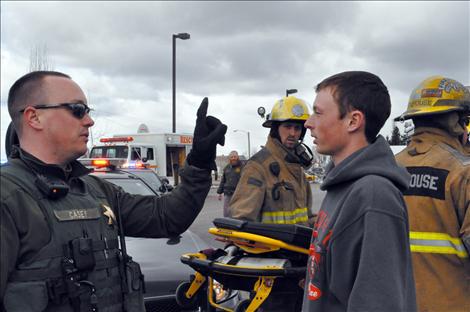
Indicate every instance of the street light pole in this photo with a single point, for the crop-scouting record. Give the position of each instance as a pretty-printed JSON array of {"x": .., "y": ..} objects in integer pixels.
[
  {"x": 248, "y": 135},
  {"x": 182, "y": 36},
  {"x": 249, "y": 153}
]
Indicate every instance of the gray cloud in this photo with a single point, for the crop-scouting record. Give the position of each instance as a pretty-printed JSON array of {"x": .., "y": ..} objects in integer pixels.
[
  {"x": 231, "y": 41},
  {"x": 430, "y": 39},
  {"x": 241, "y": 54}
]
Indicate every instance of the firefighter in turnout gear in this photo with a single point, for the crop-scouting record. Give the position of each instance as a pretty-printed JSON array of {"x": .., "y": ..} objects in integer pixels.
[
  {"x": 62, "y": 230},
  {"x": 438, "y": 198},
  {"x": 273, "y": 187}
]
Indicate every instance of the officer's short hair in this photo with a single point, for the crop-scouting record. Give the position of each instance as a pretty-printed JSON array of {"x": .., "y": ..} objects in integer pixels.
[
  {"x": 233, "y": 153},
  {"x": 27, "y": 91},
  {"x": 362, "y": 91}
]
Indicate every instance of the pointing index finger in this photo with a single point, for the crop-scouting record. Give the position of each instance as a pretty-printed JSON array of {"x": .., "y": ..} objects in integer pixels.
[{"x": 202, "y": 111}]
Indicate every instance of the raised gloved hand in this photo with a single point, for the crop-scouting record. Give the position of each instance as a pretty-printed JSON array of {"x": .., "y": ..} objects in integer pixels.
[{"x": 209, "y": 132}]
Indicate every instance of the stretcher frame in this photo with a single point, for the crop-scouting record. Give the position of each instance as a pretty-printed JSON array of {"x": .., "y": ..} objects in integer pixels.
[{"x": 262, "y": 278}]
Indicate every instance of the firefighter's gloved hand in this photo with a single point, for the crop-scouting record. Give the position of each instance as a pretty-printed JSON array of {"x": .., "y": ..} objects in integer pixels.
[{"x": 209, "y": 132}]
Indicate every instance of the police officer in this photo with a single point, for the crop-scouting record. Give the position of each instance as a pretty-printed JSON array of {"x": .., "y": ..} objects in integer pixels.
[
  {"x": 438, "y": 198},
  {"x": 59, "y": 225},
  {"x": 229, "y": 181},
  {"x": 273, "y": 187}
]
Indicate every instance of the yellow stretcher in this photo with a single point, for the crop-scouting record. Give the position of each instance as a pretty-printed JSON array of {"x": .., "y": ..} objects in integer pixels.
[{"x": 255, "y": 256}]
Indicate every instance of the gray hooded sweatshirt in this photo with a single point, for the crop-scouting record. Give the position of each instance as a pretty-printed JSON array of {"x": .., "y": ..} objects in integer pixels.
[{"x": 360, "y": 257}]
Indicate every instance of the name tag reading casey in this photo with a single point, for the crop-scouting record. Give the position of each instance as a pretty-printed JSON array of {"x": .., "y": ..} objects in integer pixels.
[{"x": 77, "y": 214}]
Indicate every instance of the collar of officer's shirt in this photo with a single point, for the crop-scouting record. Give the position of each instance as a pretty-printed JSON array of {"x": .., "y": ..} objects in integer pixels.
[{"x": 72, "y": 169}]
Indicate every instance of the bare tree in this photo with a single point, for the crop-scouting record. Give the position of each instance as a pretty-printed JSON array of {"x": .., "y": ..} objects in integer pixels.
[{"x": 39, "y": 59}]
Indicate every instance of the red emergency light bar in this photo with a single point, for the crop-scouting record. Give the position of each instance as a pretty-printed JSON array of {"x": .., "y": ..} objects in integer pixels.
[
  {"x": 100, "y": 163},
  {"x": 116, "y": 139}
]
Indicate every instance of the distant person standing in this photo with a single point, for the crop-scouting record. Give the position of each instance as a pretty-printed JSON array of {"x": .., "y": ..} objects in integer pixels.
[{"x": 229, "y": 181}]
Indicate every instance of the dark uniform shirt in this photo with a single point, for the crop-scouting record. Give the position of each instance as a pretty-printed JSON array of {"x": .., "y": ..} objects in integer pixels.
[
  {"x": 24, "y": 229},
  {"x": 230, "y": 179}
]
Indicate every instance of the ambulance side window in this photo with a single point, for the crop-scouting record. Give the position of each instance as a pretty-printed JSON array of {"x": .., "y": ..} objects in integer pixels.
[
  {"x": 149, "y": 153},
  {"x": 135, "y": 155}
]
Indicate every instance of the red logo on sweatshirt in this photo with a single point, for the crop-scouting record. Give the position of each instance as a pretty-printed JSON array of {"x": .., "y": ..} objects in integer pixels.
[
  {"x": 317, "y": 252},
  {"x": 313, "y": 292}
]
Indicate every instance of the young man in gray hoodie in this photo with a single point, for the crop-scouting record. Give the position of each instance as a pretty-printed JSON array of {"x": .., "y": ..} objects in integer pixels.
[{"x": 359, "y": 255}]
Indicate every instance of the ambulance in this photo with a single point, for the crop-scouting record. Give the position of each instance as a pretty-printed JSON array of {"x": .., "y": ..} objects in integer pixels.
[{"x": 162, "y": 152}]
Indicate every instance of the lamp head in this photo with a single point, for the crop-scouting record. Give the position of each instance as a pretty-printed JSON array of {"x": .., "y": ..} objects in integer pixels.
[{"x": 183, "y": 36}]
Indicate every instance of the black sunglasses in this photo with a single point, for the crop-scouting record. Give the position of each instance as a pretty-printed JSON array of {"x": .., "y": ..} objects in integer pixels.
[{"x": 77, "y": 109}]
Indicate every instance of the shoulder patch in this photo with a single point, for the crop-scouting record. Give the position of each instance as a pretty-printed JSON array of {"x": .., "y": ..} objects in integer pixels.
[
  {"x": 254, "y": 181},
  {"x": 261, "y": 156},
  {"x": 427, "y": 181}
]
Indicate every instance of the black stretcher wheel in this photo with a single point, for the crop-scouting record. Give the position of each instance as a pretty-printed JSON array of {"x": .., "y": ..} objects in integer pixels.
[{"x": 182, "y": 300}]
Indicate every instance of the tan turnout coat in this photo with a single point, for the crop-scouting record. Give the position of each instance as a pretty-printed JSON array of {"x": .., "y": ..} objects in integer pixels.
[
  {"x": 439, "y": 216},
  {"x": 269, "y": 195}
]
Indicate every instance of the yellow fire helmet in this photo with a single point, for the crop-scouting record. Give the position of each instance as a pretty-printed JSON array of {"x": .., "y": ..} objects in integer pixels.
[
  {"x": 437, "y": 95},
  {"x": 287, "y": 108}
]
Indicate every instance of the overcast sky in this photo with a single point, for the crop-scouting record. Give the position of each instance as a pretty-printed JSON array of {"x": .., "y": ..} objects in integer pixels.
[{"x": 241, "y": 55}]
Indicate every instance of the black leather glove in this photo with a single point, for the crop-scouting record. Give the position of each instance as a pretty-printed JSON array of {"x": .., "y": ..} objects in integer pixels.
[{"x": 208, "y": 132}]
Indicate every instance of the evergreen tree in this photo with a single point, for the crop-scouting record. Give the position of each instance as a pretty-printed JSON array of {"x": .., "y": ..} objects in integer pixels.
[{"x": 396, "y": 138}]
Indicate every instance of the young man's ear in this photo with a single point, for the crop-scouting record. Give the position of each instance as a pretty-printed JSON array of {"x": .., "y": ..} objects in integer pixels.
[{"x": 357, "y": 120}]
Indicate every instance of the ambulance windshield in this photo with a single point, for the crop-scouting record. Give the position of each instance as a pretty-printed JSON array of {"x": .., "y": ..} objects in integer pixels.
[{"x": 115, "y": 151}]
